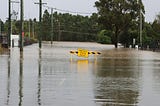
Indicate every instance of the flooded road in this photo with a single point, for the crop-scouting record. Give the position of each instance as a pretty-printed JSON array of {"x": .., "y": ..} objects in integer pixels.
[{"x": 49, "y": 77}]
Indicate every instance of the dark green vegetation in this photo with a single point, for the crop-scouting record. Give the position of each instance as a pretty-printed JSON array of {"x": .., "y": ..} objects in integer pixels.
[
  {"x": 117, "y": 21},
  {"x": 121, "y": 17},
  {"x": 67, "y": 27}
]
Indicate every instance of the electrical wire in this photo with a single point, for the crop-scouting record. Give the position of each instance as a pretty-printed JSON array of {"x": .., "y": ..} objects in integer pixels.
[{"x": 67, "y": 11}]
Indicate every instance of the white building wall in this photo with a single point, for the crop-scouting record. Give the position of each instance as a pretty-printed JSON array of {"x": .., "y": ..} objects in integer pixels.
[{"x": 16, "y": 39}]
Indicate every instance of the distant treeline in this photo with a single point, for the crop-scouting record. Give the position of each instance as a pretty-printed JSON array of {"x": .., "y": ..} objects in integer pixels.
[{"x": 66, "y": 27}]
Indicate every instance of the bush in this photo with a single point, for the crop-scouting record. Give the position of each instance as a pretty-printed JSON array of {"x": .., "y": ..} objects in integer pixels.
[{"x": 104, "y": 37}]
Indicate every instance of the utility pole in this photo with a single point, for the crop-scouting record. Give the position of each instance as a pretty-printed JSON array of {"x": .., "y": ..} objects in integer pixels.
[
  {"x": 33, "y": 29},
  {"x": 9, "y": 23},
  {"x": 40, "y": 23},
  {"x": 140, "y": 24},
  {"x": 21, "y": 27},
  {"x": 29, "y": 27},
  {"x": 59, "y": 31},
  {"x": 141, "y": 28},
  {"x": 0, "y": 27},
  {"x": 52, "y": 26}
]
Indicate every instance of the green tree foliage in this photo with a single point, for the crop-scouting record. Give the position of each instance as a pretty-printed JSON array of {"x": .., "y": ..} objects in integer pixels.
[
  {"x": 2, "y": 26},
  {"x": 46, "y": 25},
  {"x": 104, "y": 37},
  {"x": 156, "y": 28},
  {"x": 118, "y": 15},
  {"x": 14, "y": 28},
  {"x": 6, "y": 27},
  {"x": 66, "y": 27},
  {"x": 69, "y": 27},
  {"x": 126, "y": 38}
]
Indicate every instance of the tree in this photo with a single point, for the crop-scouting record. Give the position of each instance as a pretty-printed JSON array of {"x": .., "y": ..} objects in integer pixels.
[
  {"x": 104, "y": 37},
  {"x": 2, "y": 26},
  {"x": 46, "y": 26},
  {"x": 68, "y": 27},
  {"x": 156, "y": 27},
  {"x": 132, "y": 32},
  {"x": 117, "y": 15}
]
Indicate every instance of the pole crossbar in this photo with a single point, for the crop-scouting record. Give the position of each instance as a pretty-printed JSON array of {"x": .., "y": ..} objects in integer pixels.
[{"x": 15, "y": 2}]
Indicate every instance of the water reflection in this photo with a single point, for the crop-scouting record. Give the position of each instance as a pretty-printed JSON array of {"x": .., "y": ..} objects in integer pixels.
[
  {"x": 39, "y": 78},
  {"x": 156, "y": 74},
  {"x": 117, "y": 81},
  {"x": 8, "y": 78},
  {"x": 21, "y": 79},
  {"x": 150, "y": 66},
  {"x": 83, "y": 82},
  {"x": 82, "y": 66}
]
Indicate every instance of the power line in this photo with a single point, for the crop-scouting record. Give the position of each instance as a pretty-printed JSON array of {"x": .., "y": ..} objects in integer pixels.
[{"x": 68, "y": 11}]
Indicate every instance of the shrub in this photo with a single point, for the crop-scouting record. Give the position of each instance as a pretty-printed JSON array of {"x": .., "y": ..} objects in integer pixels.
[{"x": 104, "y": 37}]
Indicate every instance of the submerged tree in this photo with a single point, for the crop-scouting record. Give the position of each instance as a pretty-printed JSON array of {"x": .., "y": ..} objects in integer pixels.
[{"x": 118, "y": 15}]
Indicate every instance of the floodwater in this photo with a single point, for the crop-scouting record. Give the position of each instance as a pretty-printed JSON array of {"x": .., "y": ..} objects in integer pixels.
[{"x": 52, "y": 77}]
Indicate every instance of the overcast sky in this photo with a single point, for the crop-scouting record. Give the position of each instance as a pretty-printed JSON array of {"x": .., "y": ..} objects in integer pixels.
[{"x": 152, "y": 7}]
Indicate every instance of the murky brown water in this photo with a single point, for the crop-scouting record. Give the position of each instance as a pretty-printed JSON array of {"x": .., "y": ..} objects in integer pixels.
[{"x": 49, "y": 77}]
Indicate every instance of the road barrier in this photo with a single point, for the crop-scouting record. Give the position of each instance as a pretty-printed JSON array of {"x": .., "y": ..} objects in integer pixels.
[{"x": 84, "y": 53}]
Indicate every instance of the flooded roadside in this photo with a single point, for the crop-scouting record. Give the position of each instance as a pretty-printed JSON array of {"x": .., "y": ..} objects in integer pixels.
[
  {"x": 48, "y": 77},
  {"x": 128, "y": 77}
]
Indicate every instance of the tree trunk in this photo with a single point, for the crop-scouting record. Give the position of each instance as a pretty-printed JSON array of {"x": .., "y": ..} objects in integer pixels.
[
  {"x": 116, "y": 45},
  {"x": 116, "y": 39}
]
